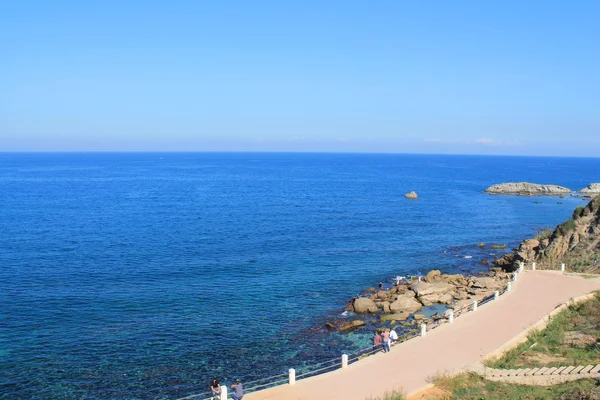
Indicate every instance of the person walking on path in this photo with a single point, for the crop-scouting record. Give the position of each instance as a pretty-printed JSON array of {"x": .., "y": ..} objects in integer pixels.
[
  {"x": 215, "y": 389},
  {"x": 385, "y": 341},
  {"x": 238, "y": 390},
  {"x": 377, "y": 339}
]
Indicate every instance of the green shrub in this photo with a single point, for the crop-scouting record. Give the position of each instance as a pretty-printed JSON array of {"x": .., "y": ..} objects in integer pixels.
[
  {"x": 567, "y": 226},
  {"x": 578, "y": 212}
]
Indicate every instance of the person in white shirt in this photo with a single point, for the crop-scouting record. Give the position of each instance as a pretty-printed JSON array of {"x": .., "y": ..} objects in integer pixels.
[{"x": 393, "y": 335}]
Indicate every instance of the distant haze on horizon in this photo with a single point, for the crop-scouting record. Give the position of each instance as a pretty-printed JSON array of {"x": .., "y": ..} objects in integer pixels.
[{"x": 456, "y": 77}]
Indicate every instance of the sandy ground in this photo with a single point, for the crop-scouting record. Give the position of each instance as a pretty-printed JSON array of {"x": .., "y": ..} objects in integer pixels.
[{"x": 448, "y": 349}]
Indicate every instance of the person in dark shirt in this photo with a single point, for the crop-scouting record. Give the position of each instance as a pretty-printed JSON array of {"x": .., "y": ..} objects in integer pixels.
[
  {"x": 215, "y": 389},
  {"x": 238, "y": 390}
]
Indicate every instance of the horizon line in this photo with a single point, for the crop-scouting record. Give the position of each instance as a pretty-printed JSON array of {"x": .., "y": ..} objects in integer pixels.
[{"x": 275, "y": 152}]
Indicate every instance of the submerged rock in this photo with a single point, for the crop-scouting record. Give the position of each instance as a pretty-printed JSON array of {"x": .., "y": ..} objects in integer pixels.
[
  {"x": 399, "y": 316},
  {"x": 352, "y": 325}
]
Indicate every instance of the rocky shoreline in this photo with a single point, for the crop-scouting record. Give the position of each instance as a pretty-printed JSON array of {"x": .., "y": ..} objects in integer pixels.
[
  {"x": 576, "y": 241},
  {"x": 402, "y": 303}
]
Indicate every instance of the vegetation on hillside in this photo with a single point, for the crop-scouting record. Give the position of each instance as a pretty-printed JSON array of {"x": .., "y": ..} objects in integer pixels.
[
  {"x": 470, "y": 386},
  {"x": 569, "y": 339}
]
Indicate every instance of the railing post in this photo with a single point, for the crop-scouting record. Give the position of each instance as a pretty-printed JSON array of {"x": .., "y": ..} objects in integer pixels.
[
  {"x": 474, "y": 305},
  {"x": 562, "y": 267},
  {"x": 451, "y": 316},
  {"x": 533, "y": 266},
  {"x": 292, "y": 376},
  {"x": 223, "y": 392},
  {"x": 423, "y": 329},
  {"x": 496, "y": 295},
  {"x": 344, "y": 360},
  {"x": 508, "y": 287}
]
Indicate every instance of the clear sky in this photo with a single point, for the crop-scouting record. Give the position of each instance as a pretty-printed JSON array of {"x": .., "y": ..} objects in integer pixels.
[{"x": 476, "y": 77}]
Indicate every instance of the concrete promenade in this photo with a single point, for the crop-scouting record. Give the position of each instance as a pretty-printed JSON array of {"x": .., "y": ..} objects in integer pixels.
[{"x": 449, "y": 348}]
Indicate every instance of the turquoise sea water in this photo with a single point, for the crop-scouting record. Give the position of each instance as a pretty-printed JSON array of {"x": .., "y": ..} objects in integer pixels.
[{"x": 143, "y": 275}]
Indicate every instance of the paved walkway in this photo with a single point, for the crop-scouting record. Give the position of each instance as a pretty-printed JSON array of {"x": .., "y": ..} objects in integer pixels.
[{"x": 448, "y": 348}]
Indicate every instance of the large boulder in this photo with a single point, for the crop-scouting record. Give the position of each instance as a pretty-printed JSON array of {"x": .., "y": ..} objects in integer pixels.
[
  {"x": 363, "y": 305},
  {"x": 385, "y": 305},
  {"x": 485, "y": 283},
  {"x": 405, "y": 303},
  {"x": 433, "y": 276},
  {"x": 425, "y": 288},
  {"x": 431, "y": 299}
]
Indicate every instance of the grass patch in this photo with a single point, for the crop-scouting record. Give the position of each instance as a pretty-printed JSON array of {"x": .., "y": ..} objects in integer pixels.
[
  {"x": 393, "y": 395},
  {"x": 569, "y": 339},
  {"x": 470, "y": 386}
]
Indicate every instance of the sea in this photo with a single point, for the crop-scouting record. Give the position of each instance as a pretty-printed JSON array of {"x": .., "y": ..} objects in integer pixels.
[{"x": 145, "y": 275}]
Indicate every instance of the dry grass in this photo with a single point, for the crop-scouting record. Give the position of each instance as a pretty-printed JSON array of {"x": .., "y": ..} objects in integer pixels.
[{"x": 548, "y": 348}]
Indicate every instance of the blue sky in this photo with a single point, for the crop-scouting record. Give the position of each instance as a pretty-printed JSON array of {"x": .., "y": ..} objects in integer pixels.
[{"x": 475, "y": 77}]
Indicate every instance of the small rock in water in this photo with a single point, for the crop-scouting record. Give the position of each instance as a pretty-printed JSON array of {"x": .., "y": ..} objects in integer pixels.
[{"x": 411, "y": 195}]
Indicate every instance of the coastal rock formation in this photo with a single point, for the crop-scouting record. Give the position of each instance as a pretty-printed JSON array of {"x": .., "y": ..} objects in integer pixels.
[
  {"x": 527, "y": 189},
  {"x": 591, "y": 189},
  {"x": 411, "y": 195},
  {"x": 363, "y": 304},
  {"x": 401, "y": 302},
  {"x": 405, "y": 303},
  {"x": 574, "y": 242},
  {"x": 424, "y": 288},
  {"x": 430, "y": 299}
]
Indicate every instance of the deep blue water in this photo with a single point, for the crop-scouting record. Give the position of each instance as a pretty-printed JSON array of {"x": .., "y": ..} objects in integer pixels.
[{"x": 143, "y": 275}]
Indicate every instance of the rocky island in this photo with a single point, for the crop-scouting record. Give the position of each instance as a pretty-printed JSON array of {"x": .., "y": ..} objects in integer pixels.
[
  {"x": 527, "y": 189},
  {"x": 592, "y": 189}
]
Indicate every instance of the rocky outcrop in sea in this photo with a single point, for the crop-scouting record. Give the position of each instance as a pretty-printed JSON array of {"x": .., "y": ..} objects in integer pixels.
[
  {"x": 592, "y": 189},
  {"x": 527, "y": 189}
]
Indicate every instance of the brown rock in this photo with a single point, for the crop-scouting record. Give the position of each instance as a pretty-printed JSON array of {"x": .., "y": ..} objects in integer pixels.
[
  {"x": 352, "y": 325},
  {"x": 385, "y": 305},
  {"x": 424, "y": 288},
  {"x": 363, "y": 304},
  {"x": 433, "y": 276},
  {"x": 405, "y": 303},
  {"x": 394, "y": 316},
  {"x": 579, "y": 339}
]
